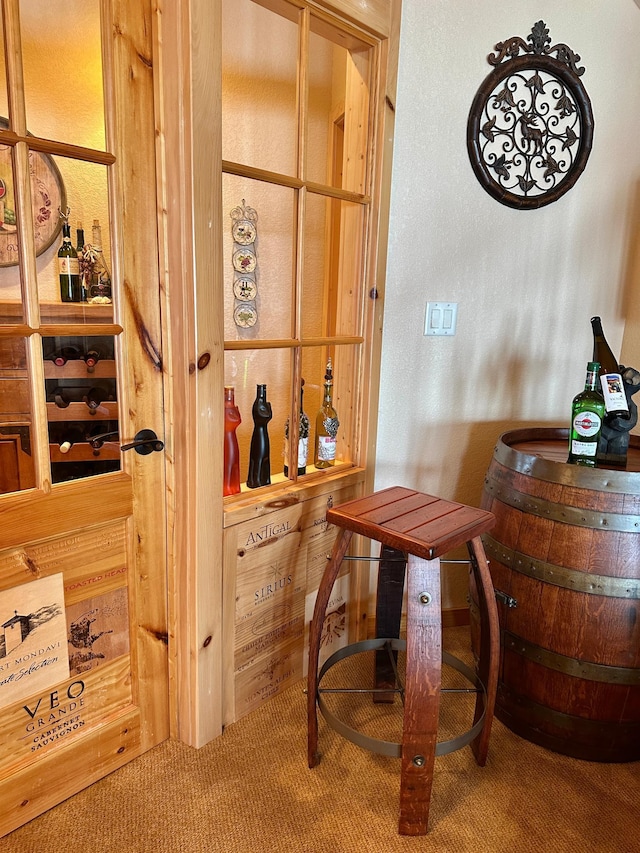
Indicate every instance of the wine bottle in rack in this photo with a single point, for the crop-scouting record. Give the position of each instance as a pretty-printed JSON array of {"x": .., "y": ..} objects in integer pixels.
[
  {"x": 81, "y": 265},
  {"x": 327, "y": 424},
  {"x": 587, "y": 415},
  {"x": 303, "y": 439},
  {"x": 100, "y": 281},
  {"x": 94, "y": 397},
  {"x": 232, "y": 420},
  {"x": 68, "y": 268},
  {"x": 615, "y": 399},
  {"x": 60, "y": 397},
  {"x": 259, "y": 452},
  {"x": 70, "y": 436},
  {"x": 61, "y": 356},
  {"x": 91, "y": 358}
]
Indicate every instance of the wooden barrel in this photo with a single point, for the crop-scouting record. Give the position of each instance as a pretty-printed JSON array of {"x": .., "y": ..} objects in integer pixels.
[{"x": 566, "y": 551}]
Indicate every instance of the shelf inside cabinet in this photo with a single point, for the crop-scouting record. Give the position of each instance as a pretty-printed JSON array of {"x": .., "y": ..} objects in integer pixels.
[
  {"x": 84, "y": 452},
  {"x": 107, "y": 411},
  {"x": 77, "y": 369}
]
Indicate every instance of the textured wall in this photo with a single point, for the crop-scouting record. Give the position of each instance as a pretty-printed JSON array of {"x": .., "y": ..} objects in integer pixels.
[{"x": 526, "y": 282}]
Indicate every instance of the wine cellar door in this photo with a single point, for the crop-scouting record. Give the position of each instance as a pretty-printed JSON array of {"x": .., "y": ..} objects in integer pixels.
[{"x": 83, "y": 587}]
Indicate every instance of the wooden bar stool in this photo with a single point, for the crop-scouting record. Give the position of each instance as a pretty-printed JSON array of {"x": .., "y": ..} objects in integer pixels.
[{"x": 424, "y": 527}]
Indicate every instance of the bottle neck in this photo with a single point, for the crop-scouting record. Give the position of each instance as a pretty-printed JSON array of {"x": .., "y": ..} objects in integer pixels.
[
  {"x": 591, "y": 382},
  {"x": 328, "y": 393}
]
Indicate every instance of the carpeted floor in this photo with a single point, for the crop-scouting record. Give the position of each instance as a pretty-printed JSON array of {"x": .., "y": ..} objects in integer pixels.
[{"x": 251, "y": 790}]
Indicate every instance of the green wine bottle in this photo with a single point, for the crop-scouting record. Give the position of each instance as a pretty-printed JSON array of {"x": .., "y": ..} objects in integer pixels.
[
  {"x": 68, "y": 268},
  {"x": 587, "y": 415}
]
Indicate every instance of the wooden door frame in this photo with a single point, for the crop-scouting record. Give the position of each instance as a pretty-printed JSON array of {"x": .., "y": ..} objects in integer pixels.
[{"x": 187, "y": 62}]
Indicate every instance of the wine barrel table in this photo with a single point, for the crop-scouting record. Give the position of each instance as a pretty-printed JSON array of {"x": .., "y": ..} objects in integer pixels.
[{"x": 564, "y": 558}]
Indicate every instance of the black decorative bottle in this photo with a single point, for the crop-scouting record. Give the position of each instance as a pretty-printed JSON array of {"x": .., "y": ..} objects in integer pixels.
[{"x": 259, "y": 453}]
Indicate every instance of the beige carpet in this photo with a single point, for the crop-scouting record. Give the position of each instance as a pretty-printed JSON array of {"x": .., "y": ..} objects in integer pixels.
[{"x": 251, "y": 790}]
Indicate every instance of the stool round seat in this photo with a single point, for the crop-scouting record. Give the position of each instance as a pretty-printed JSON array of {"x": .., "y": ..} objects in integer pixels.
[{"x": 423, "y": 527}]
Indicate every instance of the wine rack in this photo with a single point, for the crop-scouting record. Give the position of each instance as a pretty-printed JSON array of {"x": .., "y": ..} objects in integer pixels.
[{"x": 80, "y": 385}]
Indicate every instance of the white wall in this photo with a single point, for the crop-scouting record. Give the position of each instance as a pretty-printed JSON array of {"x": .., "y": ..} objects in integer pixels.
[{"x": 526, "y": 282}]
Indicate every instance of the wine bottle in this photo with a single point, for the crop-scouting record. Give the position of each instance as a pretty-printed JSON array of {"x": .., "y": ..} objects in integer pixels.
[
  {"x": 70, "y": 437},
  {"x": 232, "y": 420},
  {"x": 615, "y": 399},
  {"x": 259, "y": 452},
  {"x": 100, "y": 280},
  {"x": 587, "y": 415},
  {"x": 327, "y": 424},
  {"x": 61, "y": 356},
  {"x": 60, "y": 397},
  {"x": 94, "y": 397},
  {"x": 81, "y": 265},
  {"x": 91, "y": 358},
  {"x": 68, "y": 268},
  {"x": 303, "y": 439}
]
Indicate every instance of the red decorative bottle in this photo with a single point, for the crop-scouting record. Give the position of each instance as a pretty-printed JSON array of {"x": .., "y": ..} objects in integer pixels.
[{"x": 232, "y": 421}]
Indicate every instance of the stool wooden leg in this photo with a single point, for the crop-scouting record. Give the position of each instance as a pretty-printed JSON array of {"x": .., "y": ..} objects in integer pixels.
[
  {"x": 315, "y": 634},
  {"x": 489, "y": 653},
  {"x": 422, "y": 693}
]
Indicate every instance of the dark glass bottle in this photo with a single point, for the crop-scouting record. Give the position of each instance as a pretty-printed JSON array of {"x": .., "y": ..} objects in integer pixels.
[
  {"x": 232, "y": 420},
  {"x": 615, "y": 399},
  {"x": 91, "y": 358},
  {"x": 60, "y": 397},
  {"x": 303, "y": 439},
  {"x": 327, "y": 424},
  {"x": 61, "y": 356},
  {"x": 259, "y": 453},
  {"x": 94, "y": 397},
  {"x": 80, "y": 254},
  {"x": 587, "y": 415},
  {"x": 68, "y": 268}
]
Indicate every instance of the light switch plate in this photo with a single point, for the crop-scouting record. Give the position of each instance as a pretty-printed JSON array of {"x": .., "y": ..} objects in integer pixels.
[{"x": 441, "y": 318}]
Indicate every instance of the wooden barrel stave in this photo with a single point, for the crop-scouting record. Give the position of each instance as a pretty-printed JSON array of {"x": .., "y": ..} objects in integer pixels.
[{"x": 566, "y": 546}]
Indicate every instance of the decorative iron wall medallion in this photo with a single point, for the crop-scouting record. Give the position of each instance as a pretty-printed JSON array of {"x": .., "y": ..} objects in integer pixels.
[{"x": 530, "y": 127}]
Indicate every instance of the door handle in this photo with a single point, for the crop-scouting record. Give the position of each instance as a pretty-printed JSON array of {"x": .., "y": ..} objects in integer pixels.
[{"x": 144, "y": 442}]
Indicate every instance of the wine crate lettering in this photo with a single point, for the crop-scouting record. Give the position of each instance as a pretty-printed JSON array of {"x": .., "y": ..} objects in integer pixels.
[
  {"x": 52, "y": 718},
  {"x": 268, "y": 676},
  {"x": 97, "y": 630}
]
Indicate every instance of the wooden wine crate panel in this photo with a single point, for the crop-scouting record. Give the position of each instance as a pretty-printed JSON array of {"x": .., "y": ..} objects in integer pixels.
[
  {"x": 13, "y": 357},
  {"x": 94, "y": 561},
  {"x": 268, "y": 676},
  {"x": 272, "y": 563},
  {"x": 335, "y": 628},
  {"x": 47, "y": 721},
  {"x": 14, "y": 396},
  {"x": 35, "y": 787}
]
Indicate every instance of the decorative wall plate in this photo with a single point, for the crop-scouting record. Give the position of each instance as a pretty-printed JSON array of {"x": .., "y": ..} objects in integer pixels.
[
  {"x": 530, "y": 127},
  {"x": 244, "y": 260},
  {"x": 47, "y": 194},
  {"x": 243, "y": 232},
  {"x": 245, "y": 288},
  {"x": 245, "y": 315}
]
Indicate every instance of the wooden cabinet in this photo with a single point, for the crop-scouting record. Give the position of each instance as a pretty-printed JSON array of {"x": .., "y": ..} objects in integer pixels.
[{"x": 301, "y": 134}]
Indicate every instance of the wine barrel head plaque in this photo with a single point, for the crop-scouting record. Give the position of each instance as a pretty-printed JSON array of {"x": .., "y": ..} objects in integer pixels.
[{"x": 530, "y": 127}]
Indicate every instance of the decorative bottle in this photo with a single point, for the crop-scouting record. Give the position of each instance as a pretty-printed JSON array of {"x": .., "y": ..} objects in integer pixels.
[
  {"x": 327, "y": 424},
  {"x": 68, "y": 268},
  {"x": 587, "y": 415},
  {"x": 303, "y": 439},
  {"x": 615, "y": 399},
  {"x": 100, "y": 280},
  {"x": 232, "y": 420},
  {"x": 259, "y": 461}
]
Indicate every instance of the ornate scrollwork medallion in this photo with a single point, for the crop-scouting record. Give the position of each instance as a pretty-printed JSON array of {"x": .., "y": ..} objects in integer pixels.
[{"x": 530, "y": 127}]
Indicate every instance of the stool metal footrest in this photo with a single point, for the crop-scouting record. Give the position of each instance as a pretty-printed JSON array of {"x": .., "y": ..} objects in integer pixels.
[{"x": 377, "y": 745}]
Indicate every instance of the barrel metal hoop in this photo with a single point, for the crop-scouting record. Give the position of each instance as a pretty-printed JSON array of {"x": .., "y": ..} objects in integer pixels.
[
  {"x": 588, "y": 670},
  {"x": 572, "y": 579},
  {"x": 537, "y": 715},
  {"x": 539, "y": 468},
  {"x": 562, "y": 513}
]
